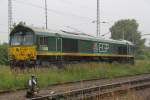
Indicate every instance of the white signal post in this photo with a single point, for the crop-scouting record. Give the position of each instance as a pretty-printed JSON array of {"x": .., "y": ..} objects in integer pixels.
[
  {"x": 10, "y": 19},
  {"x": 98, "y": 19},
  {"x": 46, "y": 15}
]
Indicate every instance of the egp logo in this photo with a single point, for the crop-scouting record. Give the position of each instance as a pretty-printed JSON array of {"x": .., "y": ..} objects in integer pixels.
[{"x": 101, "y": 47}]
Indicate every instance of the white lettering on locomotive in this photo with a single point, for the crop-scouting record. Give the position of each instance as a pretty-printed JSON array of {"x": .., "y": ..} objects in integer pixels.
[{"x": 101, "y": 47}]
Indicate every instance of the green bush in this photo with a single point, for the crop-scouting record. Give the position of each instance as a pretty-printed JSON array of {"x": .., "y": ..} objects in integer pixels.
[
  {"x": 145, "y": 55},
  {"x": 4, "y": 54}
]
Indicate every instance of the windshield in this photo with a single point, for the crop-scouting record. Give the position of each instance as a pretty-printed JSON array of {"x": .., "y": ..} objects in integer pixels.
[{"x": 22, "y": 38}]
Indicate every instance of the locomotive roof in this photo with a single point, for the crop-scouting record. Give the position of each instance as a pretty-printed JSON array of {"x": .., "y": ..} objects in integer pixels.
[{"x": 72, "y": 35}]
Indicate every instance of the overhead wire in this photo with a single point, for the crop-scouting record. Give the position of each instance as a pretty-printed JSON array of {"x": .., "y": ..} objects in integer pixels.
[
  {"x": 3, "y": 32},
  {"x": 54, "y": 11},
  {"x": 71, "y": 3},
  {"x": 3, "y": 25}
]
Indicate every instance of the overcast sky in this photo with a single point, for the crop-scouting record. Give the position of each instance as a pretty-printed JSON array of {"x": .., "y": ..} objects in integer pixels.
[{"x": 77, "y": 14}]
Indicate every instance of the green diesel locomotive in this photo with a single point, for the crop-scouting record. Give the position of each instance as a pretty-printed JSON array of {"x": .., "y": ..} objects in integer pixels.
[{"x": 37, "y": 46}]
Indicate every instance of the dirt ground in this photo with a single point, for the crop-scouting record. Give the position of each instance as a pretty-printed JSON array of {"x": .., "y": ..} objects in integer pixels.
[{"x": 131, "y": 95}]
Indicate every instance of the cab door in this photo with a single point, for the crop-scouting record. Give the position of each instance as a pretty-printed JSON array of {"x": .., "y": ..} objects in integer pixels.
[
  {"x": 59, "y": 48},
  {"x": 59, "y": 44}
]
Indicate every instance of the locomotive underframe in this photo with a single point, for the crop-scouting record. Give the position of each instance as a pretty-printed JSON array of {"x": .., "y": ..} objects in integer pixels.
[
  {"x": 48, "y": 60},
  {"x": 45, "y": 61}
]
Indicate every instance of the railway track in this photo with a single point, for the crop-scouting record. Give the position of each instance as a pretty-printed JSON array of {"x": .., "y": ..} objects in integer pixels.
[
  {"x": 101, "y": 90},
  {"x": 72, "y": 82},
  {"x": 83, "y": 89}
]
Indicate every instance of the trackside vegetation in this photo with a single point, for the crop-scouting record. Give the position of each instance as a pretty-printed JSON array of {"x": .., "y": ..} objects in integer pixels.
[
  {"x": 4, "y": 54},
  {"x": 12, "y": 80}
]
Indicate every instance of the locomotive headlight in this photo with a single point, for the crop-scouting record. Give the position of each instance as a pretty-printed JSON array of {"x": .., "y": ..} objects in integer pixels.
[
  {"x": 30, "y": 56},
  {"x": 11, "y": 57}
]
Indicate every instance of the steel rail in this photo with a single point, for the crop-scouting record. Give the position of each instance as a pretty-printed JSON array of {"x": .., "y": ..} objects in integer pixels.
[{"x": 88, "y": 92}]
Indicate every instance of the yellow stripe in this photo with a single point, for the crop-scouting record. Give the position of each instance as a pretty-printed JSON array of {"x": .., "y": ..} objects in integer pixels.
[
  {"x": 79, "y": 54},
  {"x": 22, "y": 46}
]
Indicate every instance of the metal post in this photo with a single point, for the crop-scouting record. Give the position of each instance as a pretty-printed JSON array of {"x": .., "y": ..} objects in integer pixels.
[
  {"x": 123, "y": 35},
  {"x": 9, "y": 16},
  {"x": 46, "y": 14},
  {"x": 98, "y": 19},
  {"x": 10, "y": 22}
]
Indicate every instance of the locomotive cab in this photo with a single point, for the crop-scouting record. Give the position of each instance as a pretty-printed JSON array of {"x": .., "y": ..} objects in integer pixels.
[{"x": 22, "y": 45}]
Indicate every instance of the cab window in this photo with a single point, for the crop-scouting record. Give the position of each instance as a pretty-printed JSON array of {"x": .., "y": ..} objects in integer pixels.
[
  {"x": 43, "y": 41},
  {"x": 22, "y": 38}
]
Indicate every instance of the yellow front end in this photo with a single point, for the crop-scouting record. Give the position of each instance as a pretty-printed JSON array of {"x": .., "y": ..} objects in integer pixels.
[{"x": 22, "y": 53}]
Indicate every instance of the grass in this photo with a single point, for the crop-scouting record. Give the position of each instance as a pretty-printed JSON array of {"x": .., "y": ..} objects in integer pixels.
[{"x": 10, "y": 80}]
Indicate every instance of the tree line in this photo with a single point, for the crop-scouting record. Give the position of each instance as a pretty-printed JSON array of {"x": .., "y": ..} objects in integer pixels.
[{"x": 128, "y": 29}]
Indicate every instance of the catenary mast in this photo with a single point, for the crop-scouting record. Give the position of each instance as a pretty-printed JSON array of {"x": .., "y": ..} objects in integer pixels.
[
  {"x": 98, "y": 18},
  {"x": 46, "y": 15},
  {"x": 10, "y": 19}
]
